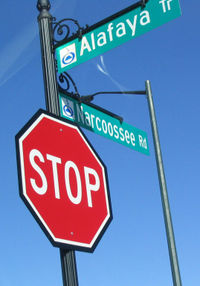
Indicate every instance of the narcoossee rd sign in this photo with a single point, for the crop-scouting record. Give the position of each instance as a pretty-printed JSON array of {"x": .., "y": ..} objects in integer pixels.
[
  {"x": 101, "y": 123},
  {"x": 115, "y": 30}
]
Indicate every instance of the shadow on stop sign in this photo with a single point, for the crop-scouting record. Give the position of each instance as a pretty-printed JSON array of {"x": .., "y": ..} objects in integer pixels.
[{"x": 63, "y": 182}]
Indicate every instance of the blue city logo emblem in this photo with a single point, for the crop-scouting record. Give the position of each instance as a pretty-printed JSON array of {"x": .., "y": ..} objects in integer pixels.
[
  {"x": 68, "y": 110},
  {"x": 68, "y": 58}
]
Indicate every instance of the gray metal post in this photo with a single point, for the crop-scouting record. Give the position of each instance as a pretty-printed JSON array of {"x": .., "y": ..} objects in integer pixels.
[
  {"x": 69, "y": 270},
  {"x": 48, "y": 63},
  {"x": 68, "y": 261},
  {"x": 163, "y": 189}
]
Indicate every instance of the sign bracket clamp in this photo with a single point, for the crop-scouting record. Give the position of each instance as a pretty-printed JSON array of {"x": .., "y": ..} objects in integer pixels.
[{"x": 143, "y": 3}]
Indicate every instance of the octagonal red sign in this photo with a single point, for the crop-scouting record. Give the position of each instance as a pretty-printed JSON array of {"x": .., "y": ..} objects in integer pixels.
[{"x": 63, "y": 182}]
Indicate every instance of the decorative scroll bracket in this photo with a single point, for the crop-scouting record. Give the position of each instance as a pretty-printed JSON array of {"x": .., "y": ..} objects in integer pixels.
[
  {"x": 62, "y": 31},
  {"x": 65, "y": 29},
  {"x": 65, "y": 83}
]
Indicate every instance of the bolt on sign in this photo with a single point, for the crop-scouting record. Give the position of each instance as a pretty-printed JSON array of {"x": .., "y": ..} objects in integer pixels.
[
  {"x": 114, "y": 31},
  {"x": 89, "y": 117},
  {"x": 63, "y": 182}
]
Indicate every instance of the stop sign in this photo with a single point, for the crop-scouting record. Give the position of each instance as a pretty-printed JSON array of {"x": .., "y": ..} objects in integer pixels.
[{"x": 63, "y": 182}]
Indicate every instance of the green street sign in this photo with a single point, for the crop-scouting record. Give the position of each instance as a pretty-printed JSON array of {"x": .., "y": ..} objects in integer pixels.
[
  {"x": 101, "y": 122},
  {"x": 115, "y": 30}
]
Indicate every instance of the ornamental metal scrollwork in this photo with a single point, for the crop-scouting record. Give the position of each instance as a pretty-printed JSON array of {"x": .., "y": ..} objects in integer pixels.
[
  {"x": 64, "y": 84},
  {"x": 66, "y": 28},
  {"x": 62, "y": 31}
]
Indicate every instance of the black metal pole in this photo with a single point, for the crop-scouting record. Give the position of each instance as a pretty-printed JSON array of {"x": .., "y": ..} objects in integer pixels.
[
  {"x": 163, "y": 190},
  {"x": 68, "y": 262},
  {"x": 69, "y": 270},
  {"x": 48, "y": 63}
]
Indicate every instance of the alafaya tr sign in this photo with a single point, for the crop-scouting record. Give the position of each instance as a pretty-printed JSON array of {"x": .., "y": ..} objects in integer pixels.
[{"x": 115, "y": 30}]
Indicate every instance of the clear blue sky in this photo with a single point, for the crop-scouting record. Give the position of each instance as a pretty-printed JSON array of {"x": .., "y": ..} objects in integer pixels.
[{"x": 133, "y": 251}]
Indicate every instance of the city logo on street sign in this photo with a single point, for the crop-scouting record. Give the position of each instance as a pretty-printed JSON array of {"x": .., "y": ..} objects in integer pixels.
[
  {"x": 93, "y": 119},
  {"x": 114, "y": 31},
  {"x": 63, "y": 182}
]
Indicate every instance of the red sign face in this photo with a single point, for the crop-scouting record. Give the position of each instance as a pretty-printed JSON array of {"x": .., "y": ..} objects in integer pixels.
[{"x": 63, "y": 182}]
